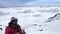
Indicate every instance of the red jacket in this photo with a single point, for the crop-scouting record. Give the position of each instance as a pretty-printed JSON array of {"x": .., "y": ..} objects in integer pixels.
[{"x": 10, "y": 30}]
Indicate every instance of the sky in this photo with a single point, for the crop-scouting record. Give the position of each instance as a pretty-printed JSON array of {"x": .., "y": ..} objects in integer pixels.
[{"x": 5, "y": 3}]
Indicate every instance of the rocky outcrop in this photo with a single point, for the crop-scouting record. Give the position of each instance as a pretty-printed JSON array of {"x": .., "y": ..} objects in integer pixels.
[{"x": 55, "y": 17}]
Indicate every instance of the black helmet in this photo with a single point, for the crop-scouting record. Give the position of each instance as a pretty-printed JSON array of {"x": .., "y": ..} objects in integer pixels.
[{"x": 13, "y": 19}]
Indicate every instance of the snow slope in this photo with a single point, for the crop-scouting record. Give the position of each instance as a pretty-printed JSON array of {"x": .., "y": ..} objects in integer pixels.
[{"x": 33, "y": 19}]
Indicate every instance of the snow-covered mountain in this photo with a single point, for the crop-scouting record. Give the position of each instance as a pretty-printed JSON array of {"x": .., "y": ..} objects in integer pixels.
[{"x": 35, "y": 20}]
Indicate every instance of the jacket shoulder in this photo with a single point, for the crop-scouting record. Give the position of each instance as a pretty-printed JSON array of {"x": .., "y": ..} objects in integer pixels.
[{"x": 7, "y": 28}]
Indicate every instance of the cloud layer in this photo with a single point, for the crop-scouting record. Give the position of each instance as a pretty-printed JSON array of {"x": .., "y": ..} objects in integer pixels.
[
  {"x": 39, "y": 2},
  {"x": 6, "y": 3}
]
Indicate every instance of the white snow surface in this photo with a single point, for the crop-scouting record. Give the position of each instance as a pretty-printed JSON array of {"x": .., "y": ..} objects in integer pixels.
[{"x": 32, "y": 19}]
